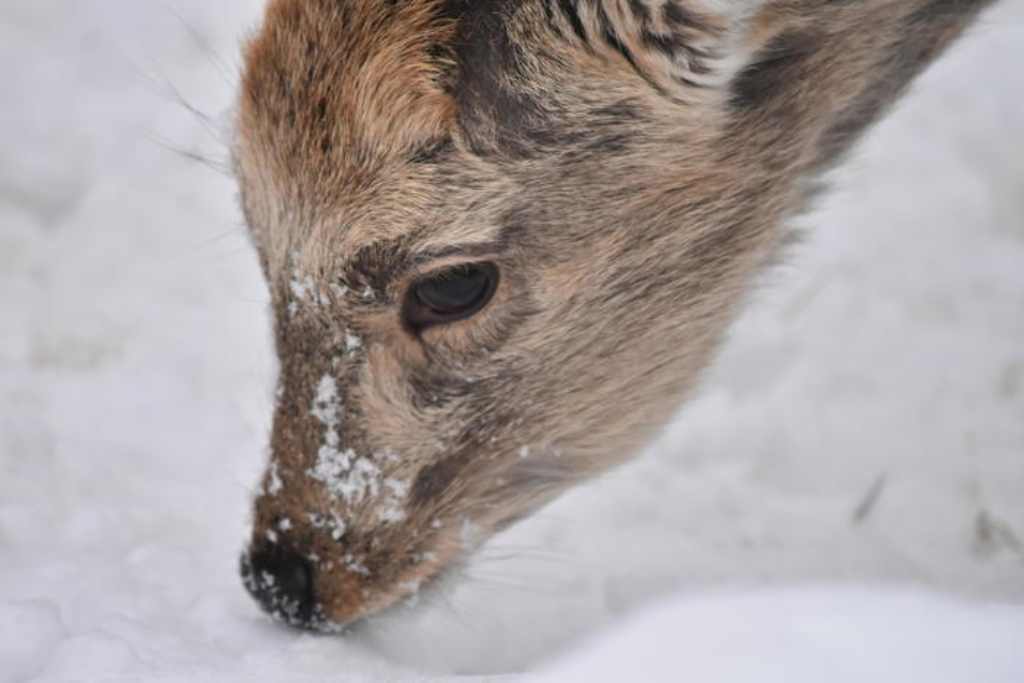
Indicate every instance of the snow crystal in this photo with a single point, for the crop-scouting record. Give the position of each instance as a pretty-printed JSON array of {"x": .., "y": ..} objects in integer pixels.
[
  {"x": 354, "y": 480},
  {"x": 348, "y": 476},
  {"x": 392, "y": 509},
  {"x": 275, "y": 484},
  {"x": 336, "y": 525},
  {"x": 333, "y": 468},
  {"x": 356, "y": 566},
  {"x": 327, "y": 405},
  {"x": 301, "y": 287},
  {"x": 303, "y": 291},
  {"x": 332, "y": 463}
]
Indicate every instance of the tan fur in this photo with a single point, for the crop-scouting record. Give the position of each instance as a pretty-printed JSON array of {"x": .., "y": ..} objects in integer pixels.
[{"x": 629, "y": 175}]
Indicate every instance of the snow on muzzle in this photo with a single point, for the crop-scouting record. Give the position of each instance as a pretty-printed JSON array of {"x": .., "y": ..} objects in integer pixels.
[{"x": 331, "y": 538}]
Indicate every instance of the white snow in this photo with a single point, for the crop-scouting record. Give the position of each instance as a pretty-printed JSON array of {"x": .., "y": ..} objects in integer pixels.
[
  {"x": 275, "y": 484},
  {"x": 302, "y": 289},
  {"x": 839, "y": 635},
  {"x": 327, "y": 405},
  {"x": 846, "y": 491},
  {"x": 341, "y": 470},
  {"x": 350, "y": 477},
  {"x": 352, "y": 342}
]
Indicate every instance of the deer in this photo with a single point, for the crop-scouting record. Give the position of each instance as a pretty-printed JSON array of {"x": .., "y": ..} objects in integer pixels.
[{"x": 502, "y": 240}]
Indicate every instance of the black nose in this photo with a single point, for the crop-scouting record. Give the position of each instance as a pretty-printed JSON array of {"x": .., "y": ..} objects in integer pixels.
[{"x": 282, "y": 582}]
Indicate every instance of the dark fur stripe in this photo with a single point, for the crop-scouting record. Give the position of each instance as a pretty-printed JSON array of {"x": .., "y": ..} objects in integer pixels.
[
  {"x": 611, "y": 37},
  {"x": 777, "y": 66},
  {"x": 568, "y": 8},
  {"x": 640, "y": 11},
  {"x": 678, "y": 17}
]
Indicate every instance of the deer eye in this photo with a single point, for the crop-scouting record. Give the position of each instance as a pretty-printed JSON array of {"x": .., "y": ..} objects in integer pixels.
[{"x": 449, "y": 295}]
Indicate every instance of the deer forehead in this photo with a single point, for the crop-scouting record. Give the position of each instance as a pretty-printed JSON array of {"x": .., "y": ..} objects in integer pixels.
[
  {"x": 339, "y": 101},
  {"x": 368, "y": 121},
  {"x": 398, "y": 210}
]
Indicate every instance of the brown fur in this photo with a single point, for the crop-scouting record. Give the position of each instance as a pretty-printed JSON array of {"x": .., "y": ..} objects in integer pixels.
[{"x": 628, "y": 165}]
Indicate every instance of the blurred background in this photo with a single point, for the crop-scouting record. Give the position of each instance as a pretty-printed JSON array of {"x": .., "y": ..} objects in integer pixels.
[{"x": 863, "y": 427}]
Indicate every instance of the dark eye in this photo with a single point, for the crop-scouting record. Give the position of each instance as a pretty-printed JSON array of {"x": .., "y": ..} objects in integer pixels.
[{"x": 453, "y": 294}]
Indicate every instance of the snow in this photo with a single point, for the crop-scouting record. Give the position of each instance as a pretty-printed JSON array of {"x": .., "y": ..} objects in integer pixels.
[
  {"x": 350, "y": 477},
  {"x": 275, "y": 484},
  {"x": 844, "y": 635},
  {"x": 327, "y": 407},
  {"x": 844, "y": 494}
]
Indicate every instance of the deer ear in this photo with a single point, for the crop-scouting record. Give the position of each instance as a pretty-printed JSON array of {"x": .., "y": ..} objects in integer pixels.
[{"x": 681, "y": 47}]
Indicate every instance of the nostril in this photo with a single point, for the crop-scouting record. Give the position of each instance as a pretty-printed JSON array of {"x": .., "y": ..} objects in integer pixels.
[{"x": 282, "y": 582}]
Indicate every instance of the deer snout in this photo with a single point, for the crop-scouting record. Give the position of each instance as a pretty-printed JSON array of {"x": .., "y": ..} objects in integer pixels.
[{"x": 283, "y": 583}]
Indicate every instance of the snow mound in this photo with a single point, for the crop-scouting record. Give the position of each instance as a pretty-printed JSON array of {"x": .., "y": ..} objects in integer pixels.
[{"x": 840, "y": 635}]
